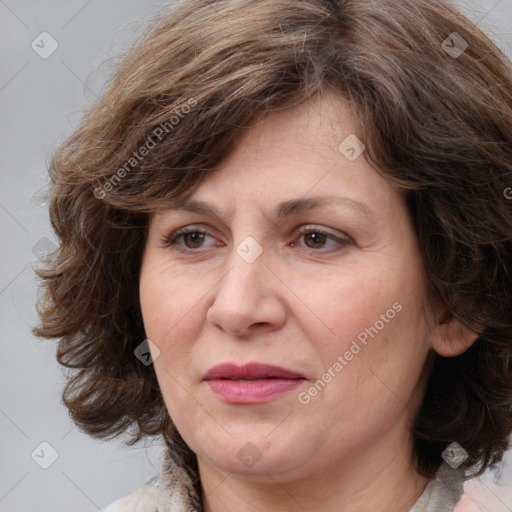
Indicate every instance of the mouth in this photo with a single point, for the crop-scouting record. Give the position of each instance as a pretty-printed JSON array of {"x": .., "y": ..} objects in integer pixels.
[
  {"x": 250, "y": 372},
  {"x": 251, "y": 383}
]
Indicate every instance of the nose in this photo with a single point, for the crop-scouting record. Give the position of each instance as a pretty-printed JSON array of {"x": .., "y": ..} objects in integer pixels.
[{"x": 247, "y": 298}]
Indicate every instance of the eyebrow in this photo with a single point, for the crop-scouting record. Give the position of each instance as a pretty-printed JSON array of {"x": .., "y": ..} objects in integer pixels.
[{"x": 283, "y": 209}]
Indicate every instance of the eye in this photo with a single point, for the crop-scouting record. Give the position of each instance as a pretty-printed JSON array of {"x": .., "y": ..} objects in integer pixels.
[
  {"x": 192, "y": 237},
  {"x": 316, "y": 238}
]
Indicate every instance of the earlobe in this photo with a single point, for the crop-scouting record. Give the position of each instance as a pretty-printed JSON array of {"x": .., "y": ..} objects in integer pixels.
[{"x": 450, "y": 337}]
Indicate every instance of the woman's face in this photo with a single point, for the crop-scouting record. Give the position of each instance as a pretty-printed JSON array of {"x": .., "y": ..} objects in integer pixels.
[{"x": 332, "y": 290}]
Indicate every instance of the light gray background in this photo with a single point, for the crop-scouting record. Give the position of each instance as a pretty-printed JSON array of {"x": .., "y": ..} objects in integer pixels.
[{"x": 41, "y": 101}]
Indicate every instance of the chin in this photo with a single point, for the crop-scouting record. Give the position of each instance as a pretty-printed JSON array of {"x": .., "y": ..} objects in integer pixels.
[{"x": 255, "y": 455}]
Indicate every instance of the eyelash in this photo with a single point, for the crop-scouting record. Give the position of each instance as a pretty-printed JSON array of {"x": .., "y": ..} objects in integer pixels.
[{"x": 171, "y": 240}]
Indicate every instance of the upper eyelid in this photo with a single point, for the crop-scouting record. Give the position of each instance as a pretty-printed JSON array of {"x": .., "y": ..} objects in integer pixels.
[
  {"x": 191, "y": 228},
  {"x": 207, "y": 227}
]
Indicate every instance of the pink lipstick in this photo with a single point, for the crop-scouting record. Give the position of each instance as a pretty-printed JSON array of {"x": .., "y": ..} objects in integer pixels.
[{"x": 251, "y": 383}]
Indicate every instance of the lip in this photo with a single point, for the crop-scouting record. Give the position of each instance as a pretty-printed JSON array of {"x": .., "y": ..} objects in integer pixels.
[
  {"x": 250, "y": 371},
  {"x": 260, "y": 382}
]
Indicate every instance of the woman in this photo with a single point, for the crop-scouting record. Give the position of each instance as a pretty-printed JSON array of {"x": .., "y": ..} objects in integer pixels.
[{"x": 286, "y": 248}]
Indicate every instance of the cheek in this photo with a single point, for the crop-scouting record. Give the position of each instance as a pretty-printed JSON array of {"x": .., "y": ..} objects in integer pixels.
[
  {"x": 170, "y": 309},
  {"x": 170, "y": 302},
  {"x": 373, "y": 320},
  {"x": 347, "y": 303},
  {"x": 161, "y": 313}
]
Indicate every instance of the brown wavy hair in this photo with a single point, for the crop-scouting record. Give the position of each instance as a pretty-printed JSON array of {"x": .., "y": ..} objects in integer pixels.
[{"x": 436, "y": 125}]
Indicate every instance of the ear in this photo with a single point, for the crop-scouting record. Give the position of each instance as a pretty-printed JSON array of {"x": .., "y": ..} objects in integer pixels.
[{"x": 450, "y": 338}]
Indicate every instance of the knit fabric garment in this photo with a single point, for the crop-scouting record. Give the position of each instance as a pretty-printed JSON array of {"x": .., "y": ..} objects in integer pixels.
[{"x": 173, "y": 491}]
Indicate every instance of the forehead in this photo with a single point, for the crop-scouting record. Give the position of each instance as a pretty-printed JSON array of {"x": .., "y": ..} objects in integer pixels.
[
  {"x": 291, "y": 162},
  {"x": 307, "y": 152},
  {"x": 318, "y": 125}
]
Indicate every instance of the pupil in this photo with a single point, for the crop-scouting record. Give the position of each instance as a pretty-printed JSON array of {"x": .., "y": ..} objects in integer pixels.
[
  {"x": 195, "y": 238},
  {"x": 317, "y": 238}
]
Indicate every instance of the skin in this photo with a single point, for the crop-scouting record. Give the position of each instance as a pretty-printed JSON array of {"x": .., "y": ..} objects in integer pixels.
[{"x": 299, "y": 305}]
